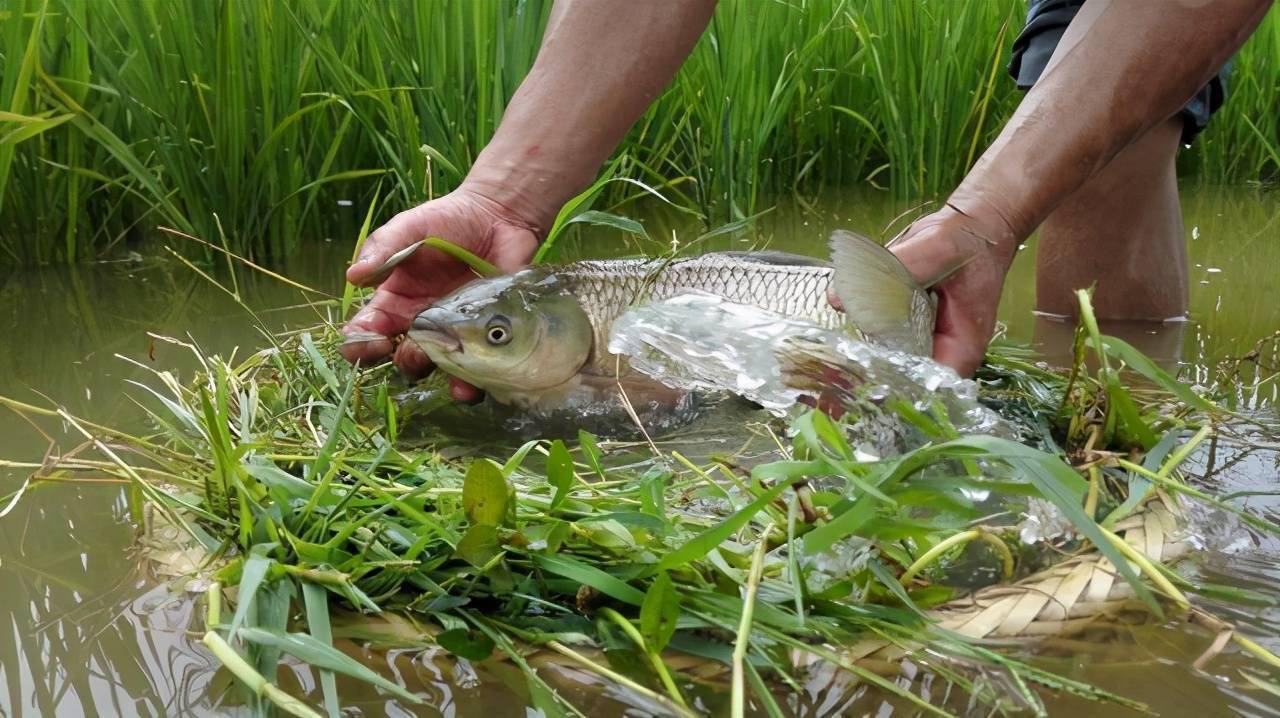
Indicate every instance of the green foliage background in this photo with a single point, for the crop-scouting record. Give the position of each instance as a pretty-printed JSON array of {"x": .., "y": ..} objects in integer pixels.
[{"x": 253, "y": 118}]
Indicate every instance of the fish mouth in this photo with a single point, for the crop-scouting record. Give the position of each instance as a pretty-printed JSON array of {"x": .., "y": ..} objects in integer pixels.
[{"x": 427, "y": 332}]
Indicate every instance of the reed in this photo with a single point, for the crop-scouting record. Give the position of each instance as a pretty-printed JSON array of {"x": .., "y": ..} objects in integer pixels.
[{"x": 254, "y": 119}]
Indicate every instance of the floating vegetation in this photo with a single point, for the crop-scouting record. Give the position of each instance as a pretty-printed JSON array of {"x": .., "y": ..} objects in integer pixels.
[{"x": 730, "y": 581}]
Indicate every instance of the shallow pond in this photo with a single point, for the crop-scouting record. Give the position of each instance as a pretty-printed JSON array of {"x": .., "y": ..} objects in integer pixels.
[{"x": 85, "y": 629}]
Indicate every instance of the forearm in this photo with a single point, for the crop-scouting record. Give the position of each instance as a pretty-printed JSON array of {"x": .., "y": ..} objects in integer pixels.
[
  {"x": 1134, "y": 68},
  {"x": 602, "y": 62}
]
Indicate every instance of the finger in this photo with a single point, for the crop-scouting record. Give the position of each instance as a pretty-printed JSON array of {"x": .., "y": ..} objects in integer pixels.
[
  {"x": 958, "y": 341},
  {"x": 387, "y": 314},
  {"x": 835, "y": 302},
  {"x": 412, "y": 361},
  {"x": 513, "y": 247},
  {"x": 959, "y": 353},
  {"x": 463, "y": 392},
  {"x": 401, "y": 231},
  {"x": 927, "y": 255},
  {"x": 365, "y": 347}
]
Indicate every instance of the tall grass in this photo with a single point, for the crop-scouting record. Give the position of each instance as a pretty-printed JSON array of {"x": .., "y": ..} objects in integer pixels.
[{"x": 252, "y": 119}]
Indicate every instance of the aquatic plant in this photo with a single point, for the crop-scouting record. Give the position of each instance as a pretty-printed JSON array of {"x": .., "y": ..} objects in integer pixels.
[
  {"x": 273, "y": 122},
  {"x": 288, "y": 472}
]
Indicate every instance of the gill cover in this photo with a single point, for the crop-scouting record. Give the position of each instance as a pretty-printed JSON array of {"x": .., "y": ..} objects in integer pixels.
[{"x": 511, "y": 336}]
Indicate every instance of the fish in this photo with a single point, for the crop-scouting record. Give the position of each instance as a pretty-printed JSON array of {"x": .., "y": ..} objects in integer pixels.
[{"x": 540, "y": 337}]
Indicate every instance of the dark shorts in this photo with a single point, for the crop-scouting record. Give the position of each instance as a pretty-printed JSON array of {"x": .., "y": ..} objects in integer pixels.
[{"x": 1048, "y": 19}]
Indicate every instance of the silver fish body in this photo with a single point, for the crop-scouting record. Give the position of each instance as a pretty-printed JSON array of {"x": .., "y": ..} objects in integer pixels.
[
  {"x": 786, "y": 284},
  {"x": 534, "y": 337}
]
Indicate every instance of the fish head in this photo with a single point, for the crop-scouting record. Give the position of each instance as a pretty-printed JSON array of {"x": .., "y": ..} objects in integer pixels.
[{"x": 523, "y": 333}]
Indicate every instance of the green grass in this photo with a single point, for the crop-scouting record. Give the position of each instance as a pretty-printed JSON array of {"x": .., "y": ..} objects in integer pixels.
[
  {"x": 252, "y": 119},
  {"x": 289, "y": 468}
]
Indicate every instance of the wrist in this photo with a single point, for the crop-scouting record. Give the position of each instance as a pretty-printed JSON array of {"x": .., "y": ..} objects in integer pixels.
[
  {"x": 988, "y": 217},
  {"x": 506, "y": 194}
]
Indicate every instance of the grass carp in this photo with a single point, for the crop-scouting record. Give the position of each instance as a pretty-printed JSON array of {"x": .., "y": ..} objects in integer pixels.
[{"x": 541, "y": 335}]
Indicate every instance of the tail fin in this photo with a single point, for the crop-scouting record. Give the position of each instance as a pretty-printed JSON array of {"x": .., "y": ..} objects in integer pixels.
[{"x": 880, "y": 296}]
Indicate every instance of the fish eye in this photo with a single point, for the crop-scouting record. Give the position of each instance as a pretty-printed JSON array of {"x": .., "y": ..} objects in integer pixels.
[{"x": 498, "y": 331}]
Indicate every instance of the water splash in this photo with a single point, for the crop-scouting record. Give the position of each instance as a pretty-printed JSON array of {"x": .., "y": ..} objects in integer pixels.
[{"x": 700, "y": 341}]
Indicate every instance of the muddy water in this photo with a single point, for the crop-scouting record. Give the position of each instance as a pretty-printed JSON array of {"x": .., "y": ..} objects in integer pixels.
[{"x": 85, "y": 631}]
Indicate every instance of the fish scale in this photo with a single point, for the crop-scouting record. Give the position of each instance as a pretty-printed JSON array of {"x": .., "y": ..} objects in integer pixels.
[{"x": 791, "y": 285}]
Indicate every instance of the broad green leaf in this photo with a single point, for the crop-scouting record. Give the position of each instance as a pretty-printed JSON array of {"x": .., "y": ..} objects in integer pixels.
[
  {"x": 1123, "y": 406},
  {"x": 27, "y": 130},
  {"x": 606, "y": 219},
  {"x": 590, "y": 451},
  {"x": 252, "y": 575},
  {"x": 316, "y": 600},
  {"x": 316, "y": 653},
  {"x": 1140, "y": 363},
  {"x": 652, "y": 499},
  {"x": 518, "y": 458},
  {"x": 648, "y": 522},
  {"x": 485, "y": 493},
  {"x": 712, "y": 537},
  {"x": 319, "y": 364},
  {"x": 839, "y": 527},
  {"x": 590, "y": 576},
  {"x": 478, "y": 545},
  {"x": 274, "y": 477},
  {"x": 659, "y": 613},
  {"x": 560, "y": 471},
  {"x": 466, "y": 644},
  {"x": 820, "y": 434},
  {"x": 271, "y": 612}
]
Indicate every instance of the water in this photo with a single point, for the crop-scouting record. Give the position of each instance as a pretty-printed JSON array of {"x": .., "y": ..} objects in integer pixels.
[
  {"x": 702, "y": 342},
  {"x": 85, "y": 630}
]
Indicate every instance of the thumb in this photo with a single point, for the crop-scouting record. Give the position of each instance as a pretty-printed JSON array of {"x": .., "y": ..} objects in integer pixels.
[
  {"x": 399, "y": 232},
  {"x": 513, "y": 247},
  {"x": 930, "y": 255}
]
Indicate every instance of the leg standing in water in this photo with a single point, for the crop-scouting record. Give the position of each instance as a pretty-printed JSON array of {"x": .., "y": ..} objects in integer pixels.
[
  {"x": 1107, "y": 96},
  {"x": 1122, "y": 229}
]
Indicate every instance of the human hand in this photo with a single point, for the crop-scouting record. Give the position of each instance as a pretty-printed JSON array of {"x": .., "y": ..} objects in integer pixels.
[
  {"x": 464, "y": 217},
  {"x": 983, "y": 248}
]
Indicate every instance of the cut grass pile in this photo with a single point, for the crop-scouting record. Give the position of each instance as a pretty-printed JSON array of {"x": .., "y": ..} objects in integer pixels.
[
  {"x": 255, "y": 119},
  {"x": 286, "y": 469}
]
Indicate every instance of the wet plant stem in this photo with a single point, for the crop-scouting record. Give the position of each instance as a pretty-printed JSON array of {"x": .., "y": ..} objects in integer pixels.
[
  {"x": 1091, "y": 500},
  {"x": 618, "y": 678},
  {"x": 1146, "y": 566},
  {"x": 1257, "y": 650},
  {"x": 964, "y": 537},
  {"x": 739, "y": 701},
  {"x": 254, "y": 680},
  {"x": 213, "y": 608},
  {"x": 655, "y": 658}
]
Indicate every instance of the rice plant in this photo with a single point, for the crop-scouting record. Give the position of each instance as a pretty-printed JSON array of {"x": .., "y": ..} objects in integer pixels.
[{"x": 267, "y": 122}]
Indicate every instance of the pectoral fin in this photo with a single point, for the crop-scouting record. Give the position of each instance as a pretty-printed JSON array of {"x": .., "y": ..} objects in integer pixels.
[{"x": 880, "y": 296}]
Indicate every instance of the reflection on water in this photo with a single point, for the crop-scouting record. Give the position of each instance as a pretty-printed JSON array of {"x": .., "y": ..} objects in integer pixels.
[{"x": 84, "y": 630}]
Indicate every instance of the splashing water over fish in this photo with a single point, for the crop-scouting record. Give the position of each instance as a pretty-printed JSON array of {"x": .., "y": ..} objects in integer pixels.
[{"x": 699, "y": 341}]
